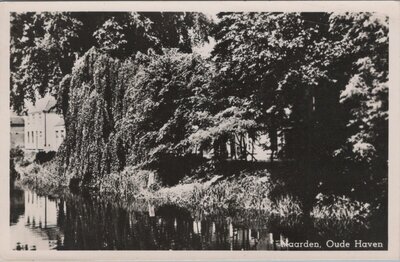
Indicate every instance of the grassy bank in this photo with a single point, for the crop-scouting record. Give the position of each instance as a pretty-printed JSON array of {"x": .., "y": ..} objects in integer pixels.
[
  {"x": 43, "y": 178},
  {"x": 254, "y": 193}
]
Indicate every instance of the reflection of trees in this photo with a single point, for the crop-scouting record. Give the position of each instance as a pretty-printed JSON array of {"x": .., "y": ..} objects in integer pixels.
[
  {"x": 17, "y": 204},
  {"x": 94, "y": 225}
]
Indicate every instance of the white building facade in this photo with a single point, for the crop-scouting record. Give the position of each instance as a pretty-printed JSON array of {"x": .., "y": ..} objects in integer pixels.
[{"x": 44, "y": 128}]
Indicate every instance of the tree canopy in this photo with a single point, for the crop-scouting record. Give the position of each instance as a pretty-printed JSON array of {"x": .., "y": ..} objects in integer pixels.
[
  {"x": 45, "y": 46},
  {"x": 132, "y": 91}
]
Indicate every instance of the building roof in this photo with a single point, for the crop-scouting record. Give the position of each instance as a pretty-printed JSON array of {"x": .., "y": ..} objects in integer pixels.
[
  {"x": 17, "y": 121},
  {"x": 44, "y": 104},
  {"x": 60, "y": 123}
]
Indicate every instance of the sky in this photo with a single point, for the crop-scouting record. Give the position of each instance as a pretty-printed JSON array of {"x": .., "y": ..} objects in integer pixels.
[{"x": 205, "y": 49}]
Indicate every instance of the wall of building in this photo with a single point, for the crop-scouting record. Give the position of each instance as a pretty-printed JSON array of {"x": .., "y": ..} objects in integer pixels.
[
  {"x": 59, "y": 135},
  {"x": 53, "y": 132},
  {"x": 40, "y": 131},
  {"x": 17, "y": 136},
  {"x": 34, "y": 131}
]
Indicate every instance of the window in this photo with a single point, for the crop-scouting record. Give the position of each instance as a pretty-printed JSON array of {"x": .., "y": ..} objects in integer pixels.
[
  {"x": 40, "y": 115},
  {"x": 56, "y": 134},
  {"x": 33, "y": 138},
  {"x": 29, "y": 138},
  {"x": 40, "y": 133},
  {"x": 33, "y": 116},
  {"x": 62, "y": 134}
]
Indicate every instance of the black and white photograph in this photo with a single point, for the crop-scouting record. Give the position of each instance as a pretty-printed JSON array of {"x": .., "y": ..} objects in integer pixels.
[{"x": 198, "y": 130}]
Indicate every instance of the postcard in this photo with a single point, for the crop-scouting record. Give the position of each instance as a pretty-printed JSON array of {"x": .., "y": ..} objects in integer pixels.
[{"x": 200, "y": 130}]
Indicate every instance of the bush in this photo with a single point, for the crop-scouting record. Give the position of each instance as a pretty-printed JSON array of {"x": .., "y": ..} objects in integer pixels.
[
  {"x": 287, "y": 206},
  {"x": 24, "y": 162},
  {"x": 131, "y": 182},
  {"x": 14, "y": 175},
  {"x": 16, "y": 153},
  {"x": 43, "y": 157},
  {"x": 287, "y": 211},
  {"x": 248, "y": 191},
  {"x": 339, "y": 216},
  {"x": 171, "y": 169},
  {"x": 44, "y": 179}
]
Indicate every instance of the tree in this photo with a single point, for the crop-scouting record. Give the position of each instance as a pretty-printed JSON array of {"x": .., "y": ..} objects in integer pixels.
[
  {"x": 269, "y": 59},
  {"x": 136, "y": 111},
  {"x": 163, "y": 97},
  {"x": 364, "y": 37},
  {"x": 43, "y": 49},
  {"x": 45, "y": 46},
  {"x": 323, "y": 75}
]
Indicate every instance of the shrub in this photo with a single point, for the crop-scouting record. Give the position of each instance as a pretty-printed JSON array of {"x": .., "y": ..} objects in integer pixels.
[
  {"x": 246, "y": 191},
  {"x": 24, "y": 162},
  {"x": 45, "y": 178},
  {"x": 205, "y": 170},
  {"x": 43, "y": 157},
  {"x": 286, "y": 206},
  {"x": 171, "y": 169},
  {"x": 339, "y": 215},
  {"x": 131, "y": 182},
  {"x": 13, "y": 173},
  {"x": 287, "y": 210},
  {"x": 16, "y": 153}
]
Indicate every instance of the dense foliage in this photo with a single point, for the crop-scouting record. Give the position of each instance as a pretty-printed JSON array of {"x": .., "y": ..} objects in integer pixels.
[
  {"x": 134, "y": 94},
  {"x": 130, "y": 112},
  {"x": 44, "y": 46}
]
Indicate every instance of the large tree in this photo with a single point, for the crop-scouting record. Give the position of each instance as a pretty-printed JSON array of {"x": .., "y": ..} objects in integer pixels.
[
  {"x": 363, "y": 41},
  {"x": 45, "y": 46},
  {"x": 273, "y": 63},
  {"x": 136, "y": 111},
  {"x": 321, "y": 75}
]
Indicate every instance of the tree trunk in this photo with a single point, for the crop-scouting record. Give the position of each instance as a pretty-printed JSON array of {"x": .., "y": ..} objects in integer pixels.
[{"x": 273, "y": 141}]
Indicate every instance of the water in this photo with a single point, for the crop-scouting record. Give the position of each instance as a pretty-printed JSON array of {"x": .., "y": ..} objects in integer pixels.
[
  {"x": 77, "y": 223},
  {"x": 74, "y": 222}
]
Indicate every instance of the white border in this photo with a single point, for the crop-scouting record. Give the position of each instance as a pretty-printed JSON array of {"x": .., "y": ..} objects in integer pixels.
[{"x": 391, "y": 8}]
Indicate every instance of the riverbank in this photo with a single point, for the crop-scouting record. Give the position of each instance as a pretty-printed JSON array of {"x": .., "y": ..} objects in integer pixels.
[
  {"x": 207, "y": 195},
  {"x": 140, "y": 225}
]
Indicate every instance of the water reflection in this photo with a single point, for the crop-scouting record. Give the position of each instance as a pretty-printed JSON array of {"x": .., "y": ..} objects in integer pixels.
[
  {"x": 33, "y": 221},
  {"x": 75, "y": 223}
]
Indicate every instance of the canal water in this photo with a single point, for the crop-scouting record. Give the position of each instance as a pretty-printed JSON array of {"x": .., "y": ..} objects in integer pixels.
[
  {"x": 74, "y": 222},
  {"x": 77, "y": 223}
]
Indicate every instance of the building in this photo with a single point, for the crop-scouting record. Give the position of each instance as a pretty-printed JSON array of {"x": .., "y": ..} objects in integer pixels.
[
  {"x": 59, "y": 130},
  {"x": 44, "y": 127},
  {"x": 17, "y": 126}
]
